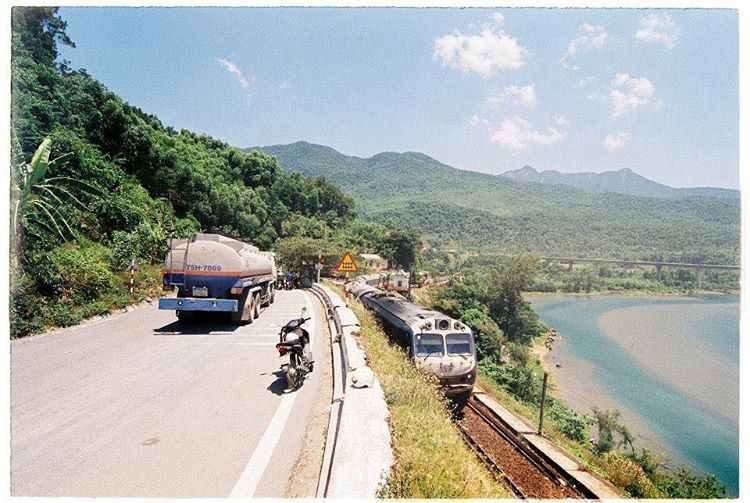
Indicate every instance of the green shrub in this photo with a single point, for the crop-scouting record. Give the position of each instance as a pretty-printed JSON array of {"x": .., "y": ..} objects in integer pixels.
[
  {"x": 25, "y": 312},
  {"x": 94, "y": 309},
  {"x": 570, "y": 423},
  {"x": 63, "y": 315},
  {"x": 75, "y": 268}
]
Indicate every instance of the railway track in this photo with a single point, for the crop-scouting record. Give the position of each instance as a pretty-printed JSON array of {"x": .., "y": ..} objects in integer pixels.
[{"x": 510, "y": 458}]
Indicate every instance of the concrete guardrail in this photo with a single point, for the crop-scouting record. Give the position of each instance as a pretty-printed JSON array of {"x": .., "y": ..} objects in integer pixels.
[{"x": 358, "y": 455}]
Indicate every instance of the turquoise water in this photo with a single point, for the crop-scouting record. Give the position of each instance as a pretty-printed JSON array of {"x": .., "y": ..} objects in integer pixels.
[{"x": 701, "y": 435}]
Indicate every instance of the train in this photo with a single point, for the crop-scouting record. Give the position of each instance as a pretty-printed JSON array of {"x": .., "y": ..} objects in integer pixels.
[
  {"x": 213, "y": 272},
  {"x": 436, "y": 343}
]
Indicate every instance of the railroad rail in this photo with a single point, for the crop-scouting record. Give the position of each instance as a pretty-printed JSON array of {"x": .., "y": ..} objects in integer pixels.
[{"x": 509, "y": 457}]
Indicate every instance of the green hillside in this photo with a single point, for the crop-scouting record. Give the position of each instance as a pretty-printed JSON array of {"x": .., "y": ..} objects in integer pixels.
[{"x": 482, "y": 212}]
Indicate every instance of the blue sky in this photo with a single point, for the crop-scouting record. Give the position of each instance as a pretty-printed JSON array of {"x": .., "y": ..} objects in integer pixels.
[{"x": 482, "y": 89}]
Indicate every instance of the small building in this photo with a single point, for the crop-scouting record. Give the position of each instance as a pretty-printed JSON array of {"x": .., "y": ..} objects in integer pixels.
[
  {"x": 372, "y": 261},
  {"x": 400, "y": 280}
]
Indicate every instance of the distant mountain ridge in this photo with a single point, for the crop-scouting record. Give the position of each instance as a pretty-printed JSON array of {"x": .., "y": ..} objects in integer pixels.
[
  {"x": 476, "y": 211},
  {"x": 623, "y": 181}
]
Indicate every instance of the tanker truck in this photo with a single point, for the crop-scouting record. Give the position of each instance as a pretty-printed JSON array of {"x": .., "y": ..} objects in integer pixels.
[{"x": 216, "y": 273}]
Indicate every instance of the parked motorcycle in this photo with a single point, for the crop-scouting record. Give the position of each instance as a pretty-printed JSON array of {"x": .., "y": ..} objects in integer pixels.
[{"x": 294, "y": 341}]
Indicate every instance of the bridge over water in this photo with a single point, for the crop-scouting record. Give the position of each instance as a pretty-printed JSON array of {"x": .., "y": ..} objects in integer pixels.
[{"x": 629, "y": 264}]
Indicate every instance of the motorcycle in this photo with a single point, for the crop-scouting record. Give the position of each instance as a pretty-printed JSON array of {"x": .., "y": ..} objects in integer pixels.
[{"x": 294, "y": 341}]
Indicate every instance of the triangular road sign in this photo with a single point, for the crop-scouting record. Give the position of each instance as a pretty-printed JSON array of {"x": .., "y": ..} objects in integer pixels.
[{"x": 347, "y": 264}]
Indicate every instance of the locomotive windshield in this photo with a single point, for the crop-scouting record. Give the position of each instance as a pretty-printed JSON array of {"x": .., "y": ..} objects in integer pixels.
[
  {"x": 429, "y": 345},
  {"x": 458, "y": 344}
]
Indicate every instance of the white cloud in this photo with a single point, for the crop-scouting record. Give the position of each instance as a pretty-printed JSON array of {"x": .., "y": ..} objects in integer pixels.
[
  {"x": 616, "y": 140},
  {"x": 518, "y": 133},
  {"x": 584, "y": 81},
  {"x": 658, "y": 28},
  {"x": 284, "y": 84},
  {"x": 629, "y": 93},
  {"x": 589, "y": 37},
  {"x": 485, "y": 51},
  {"x": 498, "y": 17},
  {"x": 561, "y": 120},
  {"x": 232, "y": 68},
  {"x": 520, "y": 96},
  {"x": 474, "y": 120}
]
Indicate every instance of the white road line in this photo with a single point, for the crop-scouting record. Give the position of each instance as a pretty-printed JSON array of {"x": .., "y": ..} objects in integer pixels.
[
  {"x": 251, "y": 475},
  {"x": 256, "y": 467}
]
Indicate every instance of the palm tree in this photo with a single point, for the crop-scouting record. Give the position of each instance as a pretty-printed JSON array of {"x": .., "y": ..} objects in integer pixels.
[{"x": 37, "y": 199}]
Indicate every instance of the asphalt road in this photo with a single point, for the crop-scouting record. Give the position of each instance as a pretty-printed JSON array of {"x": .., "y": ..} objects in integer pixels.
[{"x": 139, "y": 405}]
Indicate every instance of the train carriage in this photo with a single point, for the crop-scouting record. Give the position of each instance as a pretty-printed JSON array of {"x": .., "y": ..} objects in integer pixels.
[{"x": 437, "y": 343}]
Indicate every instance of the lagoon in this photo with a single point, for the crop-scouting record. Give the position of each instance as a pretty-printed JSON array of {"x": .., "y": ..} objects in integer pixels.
[{"x": 669, "y": 364}]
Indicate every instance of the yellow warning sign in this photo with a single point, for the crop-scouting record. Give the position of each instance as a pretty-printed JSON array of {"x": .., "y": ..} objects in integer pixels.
[{"x": 347, "y": 264}]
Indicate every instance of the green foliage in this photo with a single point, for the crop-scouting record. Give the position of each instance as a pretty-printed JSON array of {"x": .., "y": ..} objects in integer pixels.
[
  {"x": 461, "y": 296},
  {"x": 571, "y": 424},
  {"x": 518, "y": 378},
  {"x": 608, "y": 423},
  {"x": 300, "y": 254},
  {"x": 490, "y": 338},
  {"x": 76, "y": 268},
  {"x": 688, "y": 485},
  {"x": 505, "y": 298}
]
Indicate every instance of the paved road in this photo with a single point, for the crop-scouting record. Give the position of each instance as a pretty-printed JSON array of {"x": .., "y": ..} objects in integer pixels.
[{"x": 140, "y": 405}]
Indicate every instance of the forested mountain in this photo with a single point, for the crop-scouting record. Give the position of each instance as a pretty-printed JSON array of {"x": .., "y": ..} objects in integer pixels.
[
  {"x": 623, "y": 181},
  {"x": 482, "y": 212}
]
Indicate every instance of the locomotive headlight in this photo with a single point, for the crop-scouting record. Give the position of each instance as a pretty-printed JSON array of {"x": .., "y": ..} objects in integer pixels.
[{"x": 457, "y": 326}]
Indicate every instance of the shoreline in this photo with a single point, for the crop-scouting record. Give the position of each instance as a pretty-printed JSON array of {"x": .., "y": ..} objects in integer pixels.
[{"x": 561, "y": 386}]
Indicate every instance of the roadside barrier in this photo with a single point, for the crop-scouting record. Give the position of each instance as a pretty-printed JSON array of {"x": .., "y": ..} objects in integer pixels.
[{"x": 358, "y": 455}]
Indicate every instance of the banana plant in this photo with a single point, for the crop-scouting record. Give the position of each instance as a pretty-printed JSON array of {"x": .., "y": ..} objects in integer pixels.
[{"x": 38, "y": 198}]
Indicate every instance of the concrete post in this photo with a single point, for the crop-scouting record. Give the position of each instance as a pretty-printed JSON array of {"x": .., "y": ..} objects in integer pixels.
[
  {"x": 699, "y": 277},
  {"x": 597, "y": 268},
  {"x": 570, "y": 265},
  {"x": 658, "y": 273}
]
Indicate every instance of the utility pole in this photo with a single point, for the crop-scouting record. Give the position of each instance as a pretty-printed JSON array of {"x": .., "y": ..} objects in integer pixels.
[
  {"x": 541, "y": 405},
  {"x": 319, "y": 265}
]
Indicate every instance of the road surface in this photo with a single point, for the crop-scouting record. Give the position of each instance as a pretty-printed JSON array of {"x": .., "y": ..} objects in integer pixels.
[{"x": 139, "y": 405}]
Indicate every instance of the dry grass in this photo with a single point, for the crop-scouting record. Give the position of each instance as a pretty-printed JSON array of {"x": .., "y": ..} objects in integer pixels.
[{"x": 432, "y": 460}]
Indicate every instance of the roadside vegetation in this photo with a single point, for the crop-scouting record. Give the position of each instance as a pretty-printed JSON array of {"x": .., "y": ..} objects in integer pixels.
[
  {"x": 506, "y": 327},
  {"x": 431, "y": 458},
  {"x": 96, "y": 182}
]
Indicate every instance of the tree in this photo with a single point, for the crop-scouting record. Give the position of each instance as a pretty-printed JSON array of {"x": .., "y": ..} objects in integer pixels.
[
  {"x": 608, "y": 423},
  {"x": 505, "y": 298},
  {"x": 38, "y": 199},
  {"x": 300, "y": 254},
  {"x": 490, "y": 338},
  {"x": 401, "y": 245},
  {"x": 36, "y": 31}
]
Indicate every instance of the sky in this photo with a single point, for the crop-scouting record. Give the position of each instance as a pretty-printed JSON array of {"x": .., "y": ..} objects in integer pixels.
[{"x": 488, "y": 90}]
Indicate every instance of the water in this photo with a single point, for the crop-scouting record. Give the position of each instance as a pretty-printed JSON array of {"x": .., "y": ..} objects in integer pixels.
[{"x": 670, "y": 365}]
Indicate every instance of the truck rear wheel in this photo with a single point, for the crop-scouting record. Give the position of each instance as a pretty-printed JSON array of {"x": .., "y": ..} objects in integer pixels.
[{"x": 256, "y": 306}]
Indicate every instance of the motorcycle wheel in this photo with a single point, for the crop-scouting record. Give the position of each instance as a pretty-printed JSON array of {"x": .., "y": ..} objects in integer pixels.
[{"x": 290, "y": 374}]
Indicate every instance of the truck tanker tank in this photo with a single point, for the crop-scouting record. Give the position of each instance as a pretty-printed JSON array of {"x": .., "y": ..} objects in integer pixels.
[{"x": 212, "y": 267}]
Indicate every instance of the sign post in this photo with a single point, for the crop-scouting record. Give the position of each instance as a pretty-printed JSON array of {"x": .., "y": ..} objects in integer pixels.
[
  {"x": 346, "y": 266},
  {"x": 132, "y": 267}
]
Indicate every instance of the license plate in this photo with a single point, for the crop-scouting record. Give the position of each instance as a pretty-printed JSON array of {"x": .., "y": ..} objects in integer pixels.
[{"x": 200, "y": 291}]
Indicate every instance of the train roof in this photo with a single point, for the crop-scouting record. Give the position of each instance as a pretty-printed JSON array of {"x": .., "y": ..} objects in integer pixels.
[{"x": 401, "y": 308}]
